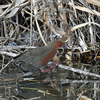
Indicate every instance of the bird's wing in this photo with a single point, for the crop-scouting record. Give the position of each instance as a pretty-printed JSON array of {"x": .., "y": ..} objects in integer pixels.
[{"x": 34, "y": 56}]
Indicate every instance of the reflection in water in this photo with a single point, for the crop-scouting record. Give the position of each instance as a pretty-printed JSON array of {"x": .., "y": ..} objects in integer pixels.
[{"x": 60, "y": 84}]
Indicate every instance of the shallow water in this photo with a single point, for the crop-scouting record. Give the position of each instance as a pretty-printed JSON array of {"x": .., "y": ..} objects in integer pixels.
[{"x": 59, "y": 84}]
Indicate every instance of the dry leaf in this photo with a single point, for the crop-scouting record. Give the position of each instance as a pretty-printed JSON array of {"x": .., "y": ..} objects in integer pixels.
[{"x": 94, "y": 2}]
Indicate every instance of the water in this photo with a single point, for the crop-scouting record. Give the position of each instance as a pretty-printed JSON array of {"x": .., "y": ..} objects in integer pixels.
[{"x": 60, "y": 84}]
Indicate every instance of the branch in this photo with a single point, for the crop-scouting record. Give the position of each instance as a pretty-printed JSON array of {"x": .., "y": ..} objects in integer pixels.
[{"x": 78, "y": 71}]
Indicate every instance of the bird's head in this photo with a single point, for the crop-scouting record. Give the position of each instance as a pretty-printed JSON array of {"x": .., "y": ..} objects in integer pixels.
[{"x": 58, "y": 44}]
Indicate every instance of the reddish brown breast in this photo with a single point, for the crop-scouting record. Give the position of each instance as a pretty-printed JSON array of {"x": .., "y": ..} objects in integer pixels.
[{"x": 49, "y": 56}]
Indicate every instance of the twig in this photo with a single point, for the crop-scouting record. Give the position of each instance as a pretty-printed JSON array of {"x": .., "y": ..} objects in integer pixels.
[
  {"x": 31, "y": 25},
  {"x": 50, "y": 23},
  {"x": 40, "y": 32},
  {"x": 23, "y": 26},
  {"x": 6, "y": 65},
  {"x": 35, "y": 12}
]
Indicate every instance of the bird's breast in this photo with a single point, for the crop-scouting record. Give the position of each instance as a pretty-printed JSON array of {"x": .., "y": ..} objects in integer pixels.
[{"x": 48, "y": 57}]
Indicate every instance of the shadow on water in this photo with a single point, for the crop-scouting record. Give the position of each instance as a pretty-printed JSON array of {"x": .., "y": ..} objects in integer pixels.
[{"x": 59, "y": 84}]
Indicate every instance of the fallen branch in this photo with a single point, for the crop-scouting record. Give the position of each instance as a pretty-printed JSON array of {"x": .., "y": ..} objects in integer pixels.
[
  {"x": 78, "y": 71},
  {"x": 8, "y": 53},
  {"x": 63, "y": 81},
  {"x": 16, "y": 47}
]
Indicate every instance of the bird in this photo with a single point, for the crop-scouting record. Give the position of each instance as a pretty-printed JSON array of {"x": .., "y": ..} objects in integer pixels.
[{"x": 36, "y": 58}]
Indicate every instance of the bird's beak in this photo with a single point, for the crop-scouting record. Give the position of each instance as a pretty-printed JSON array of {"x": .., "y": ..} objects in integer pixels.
[{"x": 64, "y": 46}]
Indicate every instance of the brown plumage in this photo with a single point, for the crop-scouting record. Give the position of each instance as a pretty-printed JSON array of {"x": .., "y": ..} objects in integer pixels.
[{"x": 38, "y": 57}]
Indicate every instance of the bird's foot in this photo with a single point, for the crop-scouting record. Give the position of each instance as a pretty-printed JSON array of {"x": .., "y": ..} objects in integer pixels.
[{"x": 53, "y": 66}]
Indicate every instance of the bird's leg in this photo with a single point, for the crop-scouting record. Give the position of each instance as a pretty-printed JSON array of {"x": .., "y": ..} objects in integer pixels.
[{"x": 53, "y": 66}]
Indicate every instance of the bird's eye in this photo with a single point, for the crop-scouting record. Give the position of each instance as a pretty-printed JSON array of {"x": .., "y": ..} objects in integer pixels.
[{"x": 59, "y": 44}]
